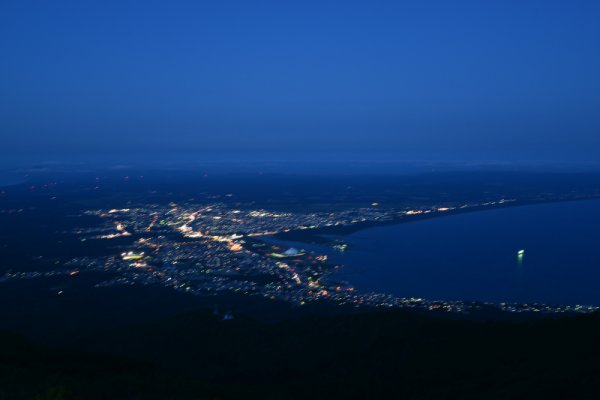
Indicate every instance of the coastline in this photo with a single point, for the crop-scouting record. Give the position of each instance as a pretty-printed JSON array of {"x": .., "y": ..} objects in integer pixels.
[
  {"x": 579, "y": 210},
  {"x": 316, "y": 235}
]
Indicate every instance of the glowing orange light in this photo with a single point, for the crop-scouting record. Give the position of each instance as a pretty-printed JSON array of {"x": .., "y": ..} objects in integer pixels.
[{"x": 235, "y": 247}]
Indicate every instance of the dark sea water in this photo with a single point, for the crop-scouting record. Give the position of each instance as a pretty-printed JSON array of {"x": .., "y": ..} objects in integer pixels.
[{"x": 474, "y": 256}]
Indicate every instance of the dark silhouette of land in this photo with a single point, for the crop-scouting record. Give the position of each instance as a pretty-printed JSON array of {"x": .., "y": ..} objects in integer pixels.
[{"x": 372, "y": 355}]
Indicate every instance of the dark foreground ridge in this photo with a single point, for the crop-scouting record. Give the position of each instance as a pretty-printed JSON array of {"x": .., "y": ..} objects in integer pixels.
[{"x": 390, "y": 354}]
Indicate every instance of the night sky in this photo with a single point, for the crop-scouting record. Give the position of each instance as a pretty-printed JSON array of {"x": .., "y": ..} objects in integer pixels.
[{"x": 429, "y": 80}]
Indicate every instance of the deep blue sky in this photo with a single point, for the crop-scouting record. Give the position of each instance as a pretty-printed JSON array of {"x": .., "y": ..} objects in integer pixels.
[{"x": 439, "y": 80}]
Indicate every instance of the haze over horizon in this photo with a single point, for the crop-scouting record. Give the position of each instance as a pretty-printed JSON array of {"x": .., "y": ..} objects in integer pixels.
[
  {"x": 299, "y": 199},
  {"x": 438, "y": 81}
]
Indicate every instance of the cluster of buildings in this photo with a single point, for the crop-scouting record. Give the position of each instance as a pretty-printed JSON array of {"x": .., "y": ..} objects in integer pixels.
[{"x": 214, "y": 249}]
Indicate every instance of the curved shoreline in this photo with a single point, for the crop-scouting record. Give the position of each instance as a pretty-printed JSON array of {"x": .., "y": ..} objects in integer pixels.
[{"x": 316, "y": 235}]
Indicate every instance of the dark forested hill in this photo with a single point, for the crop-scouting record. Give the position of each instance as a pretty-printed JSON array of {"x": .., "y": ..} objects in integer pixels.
[{"x": 372, "y": 355}]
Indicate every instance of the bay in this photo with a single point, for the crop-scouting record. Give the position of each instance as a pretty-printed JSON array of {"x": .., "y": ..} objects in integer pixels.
[{"x": 474, "y": 256}]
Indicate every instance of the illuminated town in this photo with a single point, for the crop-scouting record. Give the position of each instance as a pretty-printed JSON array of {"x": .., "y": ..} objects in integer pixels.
[{"x": 214, "y": 249}]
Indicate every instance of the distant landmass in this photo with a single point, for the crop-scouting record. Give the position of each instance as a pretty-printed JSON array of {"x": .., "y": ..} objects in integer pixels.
[{"x": 185, "y": 285}]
